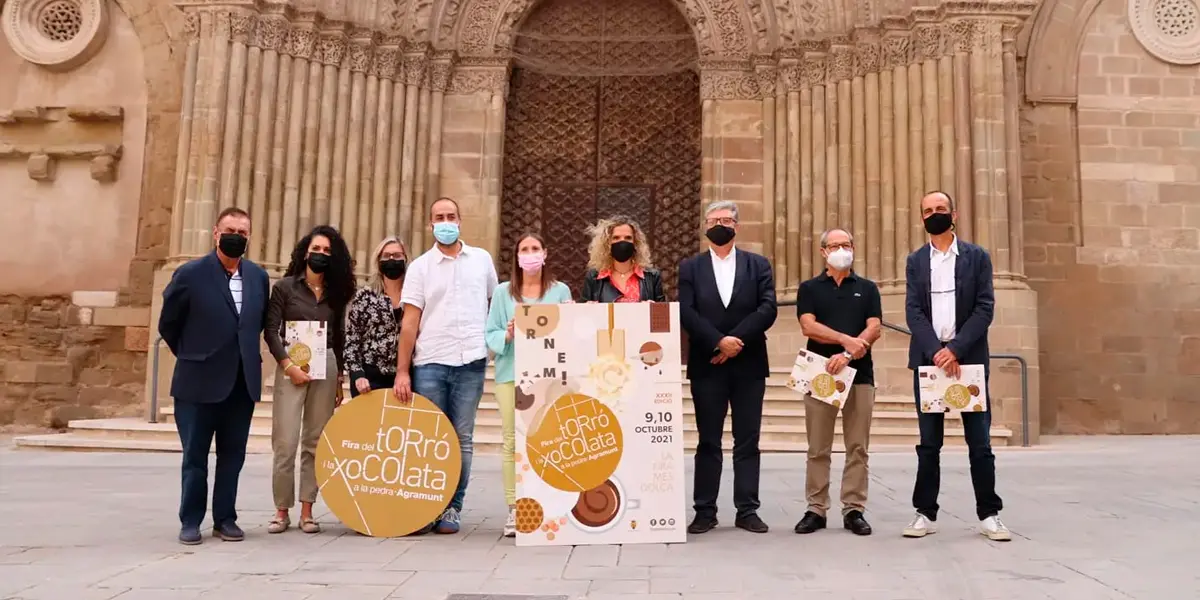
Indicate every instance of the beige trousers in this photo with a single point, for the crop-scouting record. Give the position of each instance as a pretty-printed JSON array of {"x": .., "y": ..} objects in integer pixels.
[
  {"x": 298, "y": 415},
  {"x": 819, "y": 421}
]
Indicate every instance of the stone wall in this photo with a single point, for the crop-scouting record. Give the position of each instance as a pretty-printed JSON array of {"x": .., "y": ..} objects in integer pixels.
[
  {"x": 1113, "y": 238},
  {"x": 64, "y": 358}
]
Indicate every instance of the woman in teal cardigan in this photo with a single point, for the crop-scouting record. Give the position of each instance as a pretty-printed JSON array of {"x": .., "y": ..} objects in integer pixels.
[{"x": 529, "y": 283}]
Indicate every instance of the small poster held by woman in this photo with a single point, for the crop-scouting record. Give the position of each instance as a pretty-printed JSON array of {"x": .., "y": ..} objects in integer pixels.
[{"x": 306, "y": 345}]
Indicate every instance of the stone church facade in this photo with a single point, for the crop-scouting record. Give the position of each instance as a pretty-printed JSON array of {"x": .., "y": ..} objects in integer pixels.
[{"x": 1068, "y": 132}]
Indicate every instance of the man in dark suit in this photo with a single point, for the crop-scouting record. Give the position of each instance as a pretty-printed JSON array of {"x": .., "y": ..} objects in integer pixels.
[
  {"x": 949, "y": 302},
  {"x": 212, "y": 320},
  {"x": 727, "y": 304}
]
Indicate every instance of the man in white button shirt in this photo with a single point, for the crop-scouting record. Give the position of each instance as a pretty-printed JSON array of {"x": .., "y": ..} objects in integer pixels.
[
  {"x": 949, "y": 303},
  {"x": 446, "y": 295},
  {"x": 727, "y": 304}
]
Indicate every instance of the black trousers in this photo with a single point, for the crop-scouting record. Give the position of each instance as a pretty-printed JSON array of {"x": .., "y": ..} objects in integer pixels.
[
  {"x": 714, "y": 396},
  {"x": 198, "y": 424},
  {"x": 977, "y": 428},
  {"x": 378, "y": 380}
]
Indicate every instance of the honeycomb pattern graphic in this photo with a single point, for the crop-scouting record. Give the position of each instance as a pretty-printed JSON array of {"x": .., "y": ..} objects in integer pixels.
[{"x": 529, "y": 515}]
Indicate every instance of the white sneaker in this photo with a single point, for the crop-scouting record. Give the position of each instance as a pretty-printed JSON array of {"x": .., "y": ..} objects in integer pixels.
[
  {"x": 920, "y": 527},
  {"x": 994, "y": 529},
  {"x": 510, "y": 526}
]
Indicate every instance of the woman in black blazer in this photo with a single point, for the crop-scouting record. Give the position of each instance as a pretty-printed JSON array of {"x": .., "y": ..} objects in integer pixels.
[{"x": 619, "y": 267}]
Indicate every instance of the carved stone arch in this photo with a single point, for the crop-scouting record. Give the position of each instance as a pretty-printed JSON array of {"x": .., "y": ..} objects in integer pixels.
[
  {"x": 445, "y": 19},
  {"x": 485, "y": 27},
  {"x": 799, "y": 20},
  {"x": 1055, "y": 42},
  {"x": 762, "y": 28}
]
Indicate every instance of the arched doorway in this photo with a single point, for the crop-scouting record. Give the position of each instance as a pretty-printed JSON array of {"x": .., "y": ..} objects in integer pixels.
[{"x": 604, "y": 118}]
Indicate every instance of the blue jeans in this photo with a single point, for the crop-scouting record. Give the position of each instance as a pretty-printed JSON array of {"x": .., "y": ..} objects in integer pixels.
[
  {"x": 455, "y": 390},
  {"x": 977, "y": 428}
]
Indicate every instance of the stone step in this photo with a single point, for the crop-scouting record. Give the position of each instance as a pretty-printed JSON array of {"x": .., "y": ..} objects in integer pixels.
[{"x": 129, "y": 434}]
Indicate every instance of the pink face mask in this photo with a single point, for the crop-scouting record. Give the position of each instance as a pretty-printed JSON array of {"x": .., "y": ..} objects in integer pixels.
[{"x": 531, "y": 263}]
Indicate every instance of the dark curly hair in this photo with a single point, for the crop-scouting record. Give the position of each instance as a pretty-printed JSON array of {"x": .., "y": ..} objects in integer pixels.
[{"x": 339, "y": 278}]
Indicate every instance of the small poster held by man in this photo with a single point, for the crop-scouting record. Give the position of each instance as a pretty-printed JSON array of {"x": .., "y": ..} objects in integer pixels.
[
  {"x": 810, "y": 376},
  {"x": 941, "y": 393},
  {"x": 306, "y": 345}
]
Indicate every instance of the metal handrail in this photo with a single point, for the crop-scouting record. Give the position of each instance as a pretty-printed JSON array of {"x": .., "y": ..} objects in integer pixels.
[
  {"x": 1020, "y": 360},
  {"x": 154, "y": 378}
]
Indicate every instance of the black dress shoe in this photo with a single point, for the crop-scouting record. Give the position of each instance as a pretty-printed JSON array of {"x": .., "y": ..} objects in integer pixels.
[
  {"x": 855, "y": 522},
  {"x": 810, "y": 522},
  {"x": 229, "y": 532},
  {"x": 190, "y": 536},
  {"x": 751, "y": 523},
  {"x": 702, "y": 524}
]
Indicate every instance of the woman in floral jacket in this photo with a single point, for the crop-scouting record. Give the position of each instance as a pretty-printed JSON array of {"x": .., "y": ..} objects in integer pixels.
[{"x": 373, "y": 321}]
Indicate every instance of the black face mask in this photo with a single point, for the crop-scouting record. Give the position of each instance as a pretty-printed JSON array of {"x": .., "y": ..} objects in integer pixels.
[
  {"x": 720, "y": 234},
  {"x": 232, "y": 245},
  {"x": 393, "y": 269},
  {"x": 938, "y": 223},
  {"x": 319, "y": 263},
  {"x": 622, "y": 251}
]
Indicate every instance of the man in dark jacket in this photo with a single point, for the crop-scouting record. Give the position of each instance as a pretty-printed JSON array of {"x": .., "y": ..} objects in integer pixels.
[
  {"x": 949, "y": 302},
  {"x": 726, "y": 305},
  {"x": 212, "y": 320}
]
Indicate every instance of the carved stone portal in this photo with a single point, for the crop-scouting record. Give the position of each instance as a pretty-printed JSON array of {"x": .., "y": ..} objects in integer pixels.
[{"x": 581, "y": 147}]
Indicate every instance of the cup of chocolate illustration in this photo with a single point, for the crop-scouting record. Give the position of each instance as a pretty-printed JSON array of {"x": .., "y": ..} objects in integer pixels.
[{"x": 601, "y": 507}]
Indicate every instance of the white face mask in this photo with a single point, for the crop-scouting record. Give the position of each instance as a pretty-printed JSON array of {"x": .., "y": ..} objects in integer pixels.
[{"x": 840, "y": 259}]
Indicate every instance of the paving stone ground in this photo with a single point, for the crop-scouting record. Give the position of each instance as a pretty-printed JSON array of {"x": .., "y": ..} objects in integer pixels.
[{"x": 1093, "y": 519}]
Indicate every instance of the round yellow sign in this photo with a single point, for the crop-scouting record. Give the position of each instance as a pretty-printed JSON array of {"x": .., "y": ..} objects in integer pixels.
[
  {"x": 957, "y": 396},
  {"x": 300, "y": 354},
  {"x": 576, "y": 443},
  {"x": 823, "y": 385},
  {"x": 387, "y": 469}
]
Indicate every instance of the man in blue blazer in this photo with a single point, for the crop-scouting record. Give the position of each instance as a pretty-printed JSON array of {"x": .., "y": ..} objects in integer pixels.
[
  {"x": 212, "y": 320},
  {"x": 726, "y": 305},
  {"x": 949, "y": 302}
]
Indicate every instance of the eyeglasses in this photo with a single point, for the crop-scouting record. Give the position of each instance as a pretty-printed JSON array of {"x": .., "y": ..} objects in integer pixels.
[
  {"x": 391, "y": 256},
  {"x": 726, "y": 221},
  {"x": 842, "y": 246}
]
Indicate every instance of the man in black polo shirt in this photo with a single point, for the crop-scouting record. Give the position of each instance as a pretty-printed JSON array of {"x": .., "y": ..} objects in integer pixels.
[{"x": 840, "y": 313}]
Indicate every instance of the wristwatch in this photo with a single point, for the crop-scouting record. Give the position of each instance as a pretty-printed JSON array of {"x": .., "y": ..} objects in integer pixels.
[{"x": 848, "y": 355}]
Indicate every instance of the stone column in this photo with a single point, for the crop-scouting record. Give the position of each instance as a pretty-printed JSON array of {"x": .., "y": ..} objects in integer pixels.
[
  {"x": 332, "y": 52},
  {"x": 412, "y": 214},
  {"x": 493, "y": 148},
  {"x": 241, "y": 28},
  {"x": 766, "y": 88},
  {"x": 361, "y": 55},
  {"x": 373, "y": 206},
  {"x": 799, "y": 176},
  {"x": 869, "y": 63},
  {"x": 216, "y": 89},
  {"x": 889, "y": 195},
  {"x": 302, "y": 43},
  {"x": 785, "y": 249},
  {"x": 1012, "y": 136},
  {"x": 183, "y": 149},
  {"x": 270, "y": 36},
  {"x": 440, "y": 69}
]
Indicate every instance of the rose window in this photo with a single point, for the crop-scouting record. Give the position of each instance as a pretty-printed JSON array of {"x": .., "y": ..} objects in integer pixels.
[
  {"x": 60, "y": 21},
  {"x": 1176, "y": 18}
]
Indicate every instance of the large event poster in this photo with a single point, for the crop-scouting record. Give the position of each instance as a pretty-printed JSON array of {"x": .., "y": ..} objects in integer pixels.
[{"x": 599, "y": 407}]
